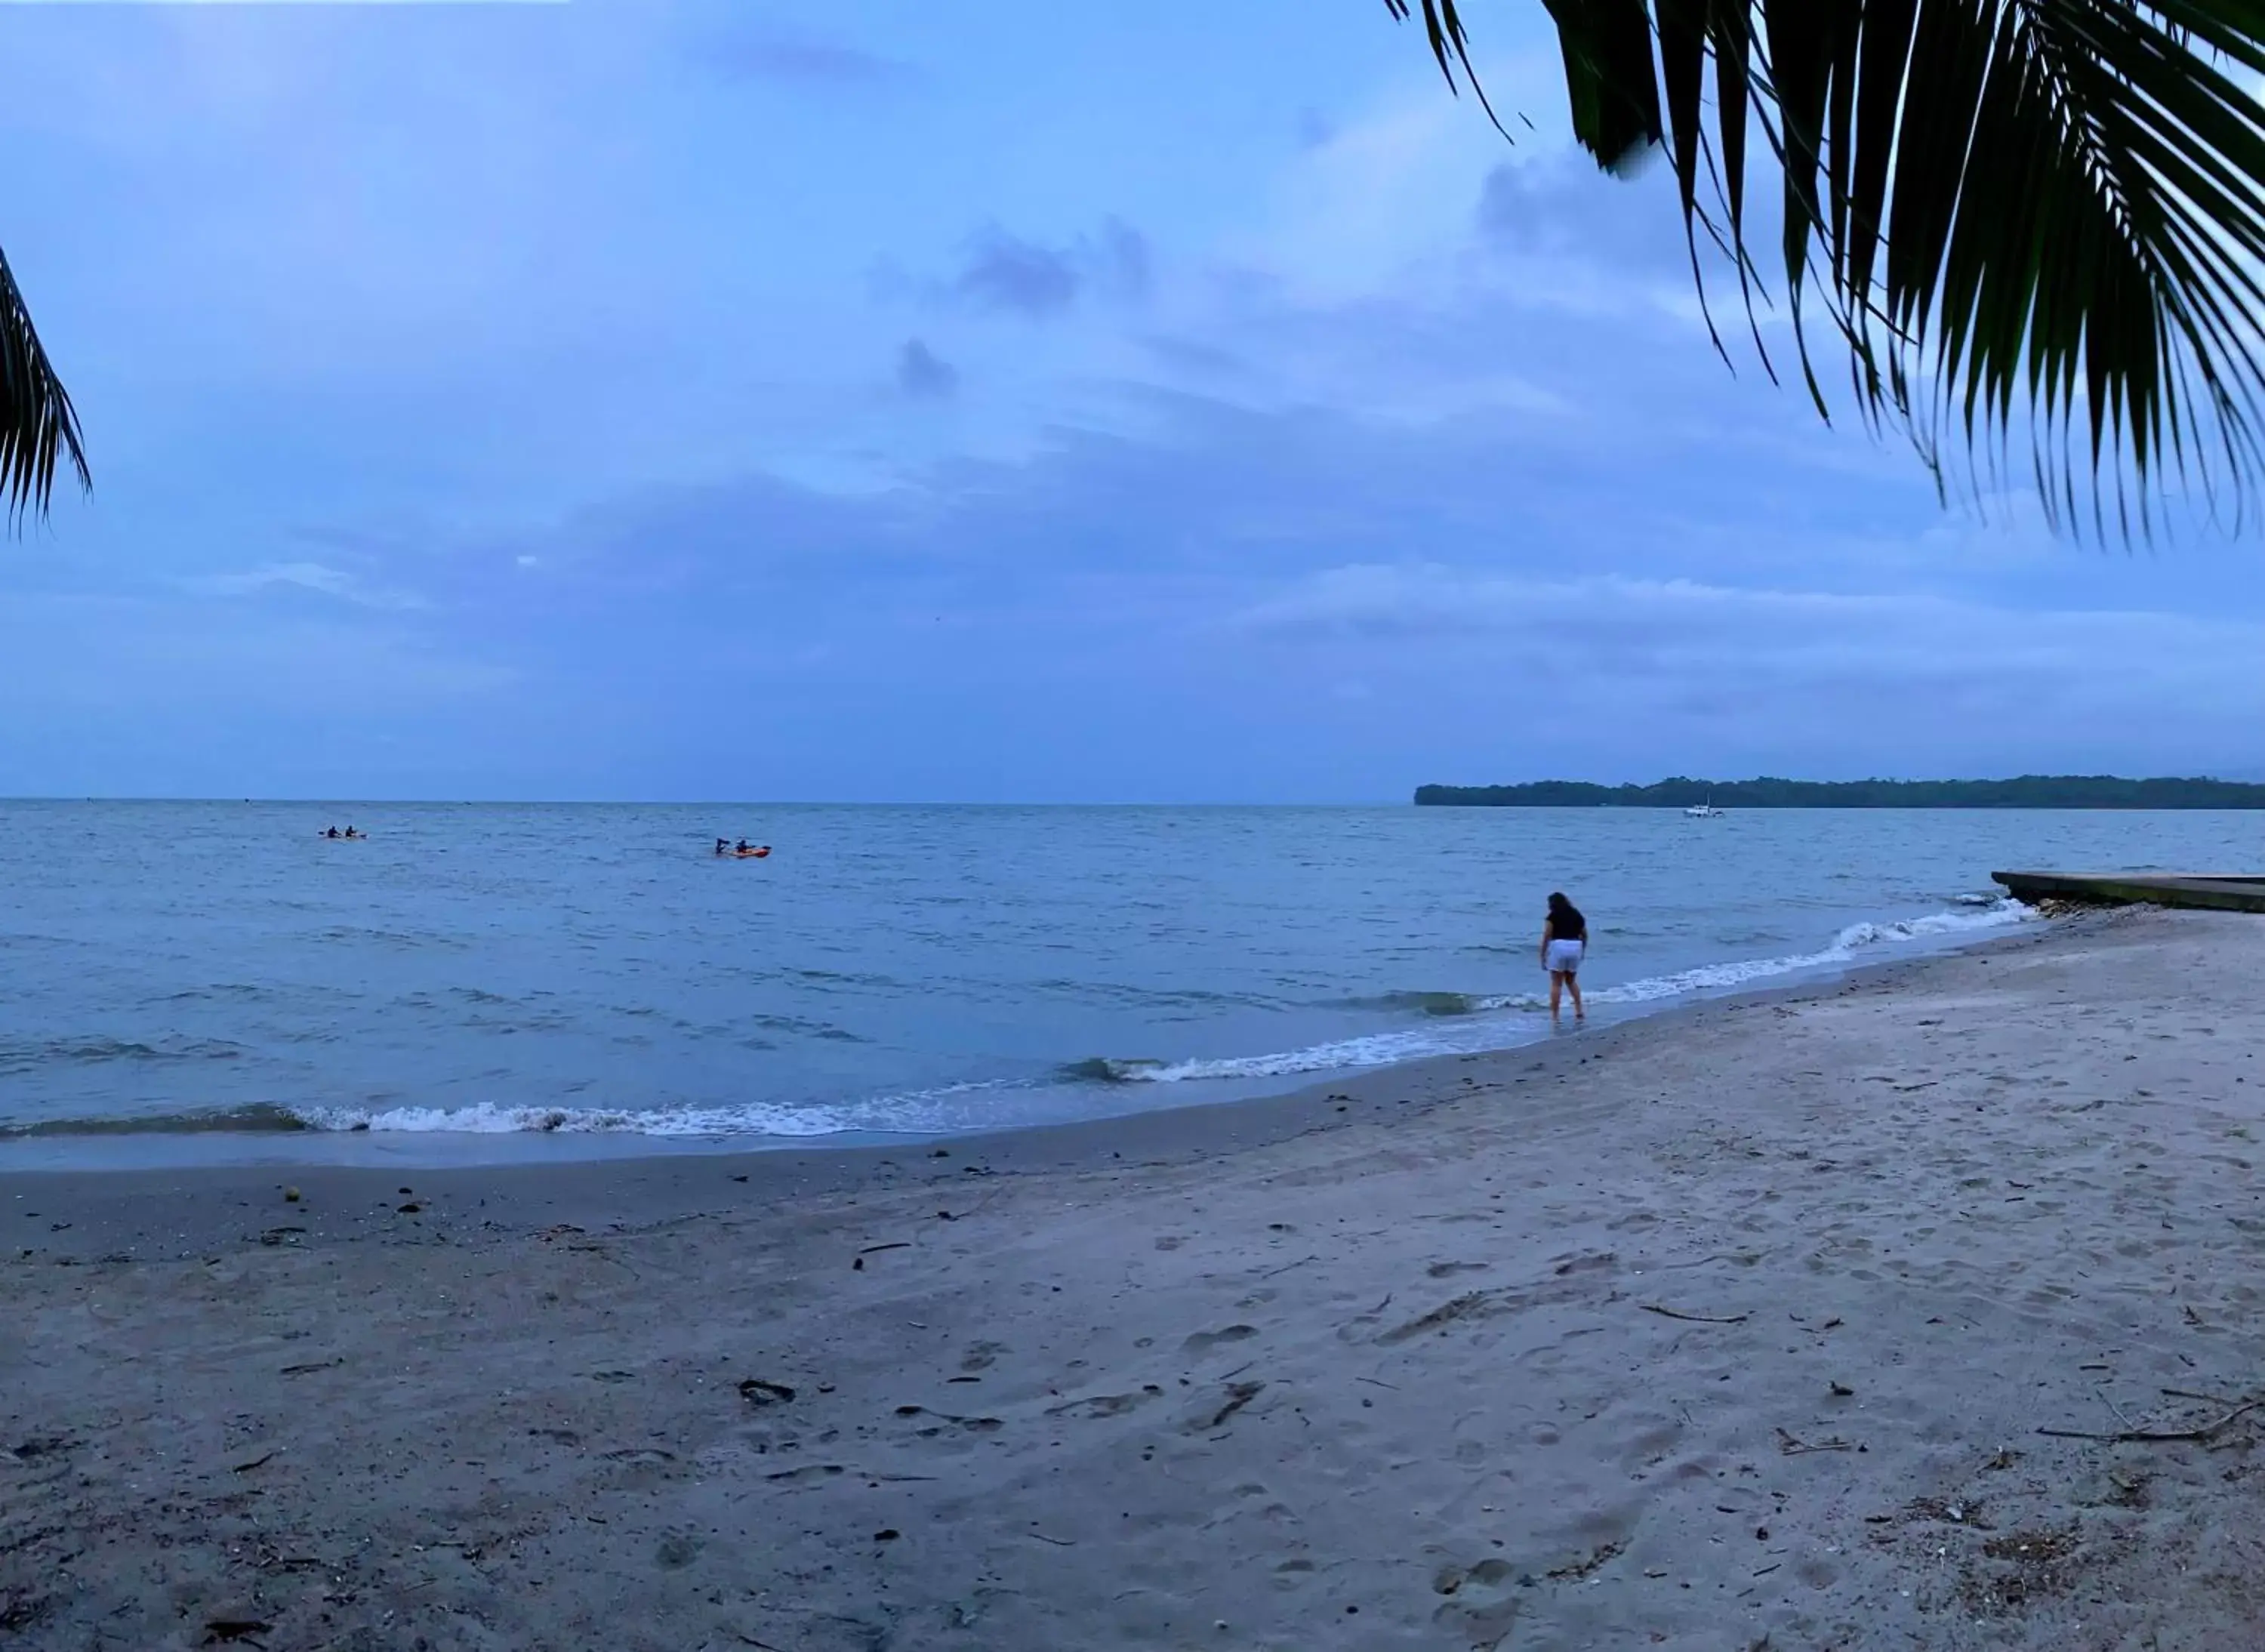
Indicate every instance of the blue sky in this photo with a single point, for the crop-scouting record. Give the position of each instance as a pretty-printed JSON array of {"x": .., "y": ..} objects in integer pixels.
[{"x": 891, "y": 400}]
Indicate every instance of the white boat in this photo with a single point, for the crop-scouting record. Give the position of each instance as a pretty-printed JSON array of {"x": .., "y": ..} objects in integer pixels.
[{"x": 1706, "y": 811}]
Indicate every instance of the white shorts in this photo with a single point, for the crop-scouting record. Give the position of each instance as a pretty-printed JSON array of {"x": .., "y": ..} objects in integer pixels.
[{"x": 1564, "y": 957}]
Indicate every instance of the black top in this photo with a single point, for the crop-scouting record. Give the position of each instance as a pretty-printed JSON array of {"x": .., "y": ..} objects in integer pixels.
[{"x": 1568, "y": 924}]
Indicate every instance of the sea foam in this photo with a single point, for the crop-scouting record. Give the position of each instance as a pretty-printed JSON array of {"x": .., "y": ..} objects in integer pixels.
[{"x": 1414, "y": 1043}]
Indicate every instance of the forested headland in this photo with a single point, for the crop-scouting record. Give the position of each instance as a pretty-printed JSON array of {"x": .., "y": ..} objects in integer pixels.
[{"x": 2025, "y": 791}]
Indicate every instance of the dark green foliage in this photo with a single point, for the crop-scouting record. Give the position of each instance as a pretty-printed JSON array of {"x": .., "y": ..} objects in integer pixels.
[
  {"x": 37, "y": 425},
  {"x": 2042, "y": 215},
  {"x": 2029, "y": 791}
]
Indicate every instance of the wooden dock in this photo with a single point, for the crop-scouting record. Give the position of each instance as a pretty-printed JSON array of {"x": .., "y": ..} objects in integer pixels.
[{"x": 2233, "y": 891}]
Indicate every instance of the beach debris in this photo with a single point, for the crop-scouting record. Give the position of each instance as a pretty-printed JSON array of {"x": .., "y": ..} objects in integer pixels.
[
  {"x": 758, "y": 1391},
  {"x": 290, "y": 1195},
  {"x": 2003, "y": 1460},
  {"x": 1239, "y": 1394},
  {"x": 1793, "y": 1445},
  {"x": 1059, "y": 1543},
  {"x": 281, "y": 1235},
  {"x": 887, "y": 1534},
  {"x": 218, "y": 1630},
  {"x": 2128, "y": 1494},
  {"x": 2035, "y": 1559},
  {"x": 894, "y": 1244},
  {"x": 1696, "y": 1319},
  {"x": 1455, "y": 1308},
  {"x": 315, "y": 1364},
  {"x": 2153, "y": 1436},
  {"x": 410, "y": 1209},
  {"x": 1841, "y": 1390},
  {"x": 2207, "y": 1399},
  {"x": 1575, "y": 1570},
  {"x": 245, "y": 1468}
]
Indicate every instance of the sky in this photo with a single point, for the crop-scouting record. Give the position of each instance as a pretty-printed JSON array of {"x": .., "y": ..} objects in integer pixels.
[{"x": 1018, "y": 403}]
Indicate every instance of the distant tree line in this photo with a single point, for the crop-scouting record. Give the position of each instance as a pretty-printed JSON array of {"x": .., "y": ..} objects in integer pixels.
[{"x": 2027, "y": 791}]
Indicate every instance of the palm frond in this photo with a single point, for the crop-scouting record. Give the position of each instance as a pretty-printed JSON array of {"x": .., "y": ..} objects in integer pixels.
[
  {"x": 38, "y": 427},
  {"x": 2035, "y": 216}
]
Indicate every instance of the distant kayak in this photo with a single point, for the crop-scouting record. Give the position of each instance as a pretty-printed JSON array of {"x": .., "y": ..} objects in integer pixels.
[{"x": 749, "y": 855}]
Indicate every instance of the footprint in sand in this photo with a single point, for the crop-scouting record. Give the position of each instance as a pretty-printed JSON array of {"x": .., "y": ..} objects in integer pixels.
[
  {"x": 1476, "y": 1602},
  {"x": 1204, "y": 1342},
  {"x": 982, "y": 1355}
]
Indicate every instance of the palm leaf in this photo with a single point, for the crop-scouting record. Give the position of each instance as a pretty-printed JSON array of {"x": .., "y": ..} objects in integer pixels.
[
  {"x": 37, "y": 426},
  {"x": 2042, "y": 216}
]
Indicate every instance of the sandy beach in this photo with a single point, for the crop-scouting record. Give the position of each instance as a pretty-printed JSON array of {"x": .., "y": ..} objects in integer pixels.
[{"x": 1737, "y": 1327}]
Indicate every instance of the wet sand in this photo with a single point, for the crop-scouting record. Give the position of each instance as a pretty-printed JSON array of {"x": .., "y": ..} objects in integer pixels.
[{"x": 1735, "y": 1327}]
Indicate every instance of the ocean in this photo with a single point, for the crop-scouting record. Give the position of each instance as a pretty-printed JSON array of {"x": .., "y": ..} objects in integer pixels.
[{"x": 485, "y": 973}]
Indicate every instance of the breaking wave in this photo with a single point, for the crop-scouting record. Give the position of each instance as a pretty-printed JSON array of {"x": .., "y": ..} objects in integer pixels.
[{"x": 1411, "y": 1044}]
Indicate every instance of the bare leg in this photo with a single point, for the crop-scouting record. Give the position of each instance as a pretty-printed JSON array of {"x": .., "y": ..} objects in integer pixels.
[
  {"x": 1556, "y": 989},
  {"x": 1573, "y": 985}
]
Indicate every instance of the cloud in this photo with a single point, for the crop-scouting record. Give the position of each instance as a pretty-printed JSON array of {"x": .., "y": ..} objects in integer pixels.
[
  {"x": 1194, "y": 356},
  {"x": 924, "y": 374},
  {"x": 1005, "y": 274},
  {"x": 1845, "y": 680},
  {"x": 802, "y": 60},
  {"x": 301, "y": 576}
]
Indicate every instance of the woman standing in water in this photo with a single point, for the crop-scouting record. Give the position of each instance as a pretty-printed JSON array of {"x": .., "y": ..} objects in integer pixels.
[{"x": 1564, "y": 939}]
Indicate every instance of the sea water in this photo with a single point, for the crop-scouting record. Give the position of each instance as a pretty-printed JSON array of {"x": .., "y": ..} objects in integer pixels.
[{"x": 596, "y": 971}]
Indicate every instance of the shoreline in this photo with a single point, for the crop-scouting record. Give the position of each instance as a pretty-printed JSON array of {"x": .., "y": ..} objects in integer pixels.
[
  {"x": 111, "y": 1204},
  {"x": 121, "y": 1148},
  {"x": 1917, "y": 1309}
]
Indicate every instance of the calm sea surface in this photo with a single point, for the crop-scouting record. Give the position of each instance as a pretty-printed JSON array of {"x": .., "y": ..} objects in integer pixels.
[{"x": 594, "y": 971}]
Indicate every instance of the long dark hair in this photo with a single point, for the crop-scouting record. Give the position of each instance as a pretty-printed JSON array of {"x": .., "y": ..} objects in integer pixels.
[{"x": 1559, "y": 907}]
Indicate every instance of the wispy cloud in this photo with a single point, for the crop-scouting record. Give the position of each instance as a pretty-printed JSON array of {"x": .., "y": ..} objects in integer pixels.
[
  {"x": 802, "y": 60},
  {"x": 302, "y": 576}
]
